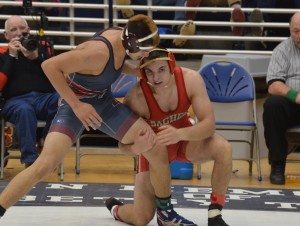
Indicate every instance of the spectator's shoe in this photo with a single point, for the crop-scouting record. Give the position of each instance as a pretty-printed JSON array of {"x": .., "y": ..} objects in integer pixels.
[
  {"x": 112, "y": 205},
  {"x": 126, "y": 13},
  {"x": 277, "y": 173},
  {"x": 237, "y": 15},
  {"x": 171, "y": 218},
  {"x": 256, "y": 17},
  {"x": 6, "y": 154},
  {"x": 189, "y": 28},
  {"x": 191, "y": 15},
  {"x": 216, "y": 220}
]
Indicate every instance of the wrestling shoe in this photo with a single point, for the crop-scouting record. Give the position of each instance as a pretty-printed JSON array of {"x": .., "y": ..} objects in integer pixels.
[
  {"x": 214, "y": 210},
  {"x": 189, "y": 28},
  {"x": 170, "y": 217},
  {"x": 126, "y": 13},
  {"x": 191, "y": 15},
  {"x": 112, "y": 205},
  {"x": 237, "y": 15},
  {"x": 216, "y": 221}
]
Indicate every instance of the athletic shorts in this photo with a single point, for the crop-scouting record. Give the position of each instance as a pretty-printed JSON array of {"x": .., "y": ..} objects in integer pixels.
[
  {"x": 175, "y": 152},
  {"x": 117, "y": 118}
]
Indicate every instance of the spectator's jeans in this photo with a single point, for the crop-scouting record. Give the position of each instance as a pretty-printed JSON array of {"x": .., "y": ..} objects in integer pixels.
[
  {"x": 276, "y": 4},
  {"x": 279, "y": 114},
  {"x": 180, "y": 15},
  {"x": 24, "y": 111},
  {"x": 273, "y": 3}
]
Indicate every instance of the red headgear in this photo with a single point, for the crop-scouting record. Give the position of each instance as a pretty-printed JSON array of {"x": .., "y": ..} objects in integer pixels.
[{"x": 170, "y": 58}]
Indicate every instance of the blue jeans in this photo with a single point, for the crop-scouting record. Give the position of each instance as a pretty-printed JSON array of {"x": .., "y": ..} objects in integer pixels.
[
  {"x": 277, "y": 4},
  {"x": 24, "y": 111},
  {"x": 178, "y": 15}
]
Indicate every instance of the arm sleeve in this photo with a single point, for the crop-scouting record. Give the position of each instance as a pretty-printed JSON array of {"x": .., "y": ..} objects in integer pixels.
[
  {"x": 279, "y": 65},
  {"x": 6, "y": 66}
]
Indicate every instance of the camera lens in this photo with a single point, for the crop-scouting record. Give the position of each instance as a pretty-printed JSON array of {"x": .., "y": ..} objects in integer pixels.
[{"x": 29, "y": 44}]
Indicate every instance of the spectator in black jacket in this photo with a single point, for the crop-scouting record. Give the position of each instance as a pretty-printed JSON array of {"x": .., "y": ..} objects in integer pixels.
[{"x": 29, "y": 96}]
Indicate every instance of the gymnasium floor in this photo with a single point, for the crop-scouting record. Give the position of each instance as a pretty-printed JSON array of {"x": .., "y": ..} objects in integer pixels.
[
  {"x": 99, "y": 216},
  {"x": 119, "y": 169}
]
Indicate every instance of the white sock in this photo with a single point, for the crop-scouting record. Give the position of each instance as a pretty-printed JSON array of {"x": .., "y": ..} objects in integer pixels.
[{"x": 213, "y": 213}]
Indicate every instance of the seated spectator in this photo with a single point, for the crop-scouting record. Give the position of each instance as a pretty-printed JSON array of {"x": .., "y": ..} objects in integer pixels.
[
  {"x": 188, "y": 28},
  {"x": 237, "y": 14},
  {"x": 282, "y": 108},
  {"x": 273, "y": 17},
  {"x": 29, "y": 96},
  {"x": 35, "y": 24}
]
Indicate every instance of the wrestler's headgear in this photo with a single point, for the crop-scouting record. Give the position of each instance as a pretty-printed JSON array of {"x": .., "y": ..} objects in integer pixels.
[
  {"x": 155, "y": 55},
  {"x": 139, "y": 34}
]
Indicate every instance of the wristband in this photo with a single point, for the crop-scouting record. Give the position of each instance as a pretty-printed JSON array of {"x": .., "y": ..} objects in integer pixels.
[{"x": 292, "y": 95}]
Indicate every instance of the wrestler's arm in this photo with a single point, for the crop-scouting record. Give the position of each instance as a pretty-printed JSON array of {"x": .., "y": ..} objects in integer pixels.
[
  {"x": 82, "y": 59},
  {"x": 202, "y": 108}
]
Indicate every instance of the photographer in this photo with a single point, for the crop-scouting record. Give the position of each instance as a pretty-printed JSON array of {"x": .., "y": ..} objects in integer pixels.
[{"x": 29, "y": 96}]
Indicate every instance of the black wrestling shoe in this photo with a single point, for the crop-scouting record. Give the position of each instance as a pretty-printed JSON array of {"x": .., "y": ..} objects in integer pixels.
[
  {"x": 217, "y": 221},
  {"x": 111, "y": 204}
]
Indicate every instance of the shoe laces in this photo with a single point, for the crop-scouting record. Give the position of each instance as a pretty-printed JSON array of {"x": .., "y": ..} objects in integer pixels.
[{"x": 175, "y": 221}]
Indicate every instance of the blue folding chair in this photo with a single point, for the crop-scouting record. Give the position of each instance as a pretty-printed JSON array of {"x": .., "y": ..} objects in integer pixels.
[
  {"x": 119, "y": 89},
  {"x": 231, "y": 89}
]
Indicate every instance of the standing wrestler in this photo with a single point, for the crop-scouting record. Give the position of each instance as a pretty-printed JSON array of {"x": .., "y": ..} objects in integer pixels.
[
  {"x": 87, "y": 102},
  {"x": 163, "y": 97}
]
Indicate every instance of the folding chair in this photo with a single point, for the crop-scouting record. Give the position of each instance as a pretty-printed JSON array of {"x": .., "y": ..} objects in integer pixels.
[
  {"x": 119, "y": 89},
  {"x": 3, "y": 158},
  {"x": 231, "y": 89},
  {"x": 294, "y": 144}
]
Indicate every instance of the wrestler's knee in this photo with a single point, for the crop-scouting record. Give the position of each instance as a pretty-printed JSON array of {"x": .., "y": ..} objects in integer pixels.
[
  {"x": 144, "y": 219},
  {"x": 158, "y": 154},
  {"x": 224, "y": 149},
  {"x": 43, "y": 168}
]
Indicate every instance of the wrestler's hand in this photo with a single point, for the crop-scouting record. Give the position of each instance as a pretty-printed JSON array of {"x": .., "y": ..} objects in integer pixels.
[
  {"x": 144, "y": 140},
  {"x": 87, "y": 115},
  {"x": 168, "y": 135}
]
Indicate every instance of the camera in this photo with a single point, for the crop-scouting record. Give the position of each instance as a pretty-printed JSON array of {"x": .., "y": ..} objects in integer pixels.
[
  {"x": 29, "y": 43},
  {"x": 40, "y": 42}
]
